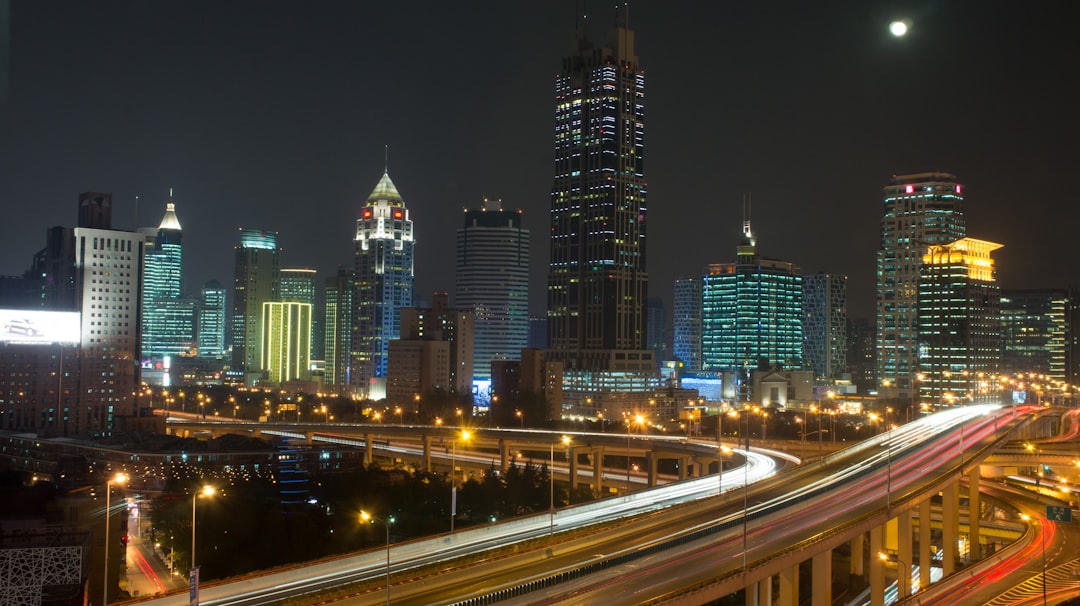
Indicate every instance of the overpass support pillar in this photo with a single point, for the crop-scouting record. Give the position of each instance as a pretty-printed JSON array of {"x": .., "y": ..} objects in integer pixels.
[
  {"x": 426, "y": 438},
  {"x": 309, "y": 436},
  {"x": 974, "y": 508},
  {"x": 597, "y": 455},
  {"x": 651, "y": 460},
  {"x": 821, "y": 578},
  {"x": 789, "y": 586},
  {"x": 368, "y": 448},
  {"x": 903, "y": 554},
  {"x": 764, "y": 592},
  {"x": 924, "y": 544},
  {"x": 856, "y": 564},
  {"x": 571, "y": 459},
  {"x": 504, "y": 454},
  {"x": 877, "y": 567},
  {"x": 684, "y": 467},
  {"x": 950, "y": 527}
]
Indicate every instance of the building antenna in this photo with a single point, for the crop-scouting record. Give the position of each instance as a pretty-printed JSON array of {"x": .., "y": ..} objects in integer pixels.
[
  {"x": 136, "y": 212},
  {"x": 386, "y": 159}
]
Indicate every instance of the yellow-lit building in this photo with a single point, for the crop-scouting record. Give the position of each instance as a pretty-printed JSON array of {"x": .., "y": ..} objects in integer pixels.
[{"x": 286, "y": 343}]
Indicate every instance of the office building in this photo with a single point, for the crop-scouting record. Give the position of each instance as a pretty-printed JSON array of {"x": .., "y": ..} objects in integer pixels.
[
  {"x": 337, "y": 333},
  {"x": 752, "y": 313},
  {"x": 298, "y": 284},
  {"x": 286, "y": 341},
  {"x": 656, "y": 328},
  {"x": 597, "y": 282},
  {"x": 1035, "y": 332},
  {"x": 959, "y": 321},
  {"x": 383, "y": 256},
  {"x": 687, "y": 323},
  {"x": 454, "y": 326},
  {"x": 493, "y": 281},
  {"x": 919, "y": 210},
  {"x": 256, "y": 282},
  {"x": 168, "y": 320},
  {"x": 211, "y": 333},
  {"x": 825, "y": 324}
]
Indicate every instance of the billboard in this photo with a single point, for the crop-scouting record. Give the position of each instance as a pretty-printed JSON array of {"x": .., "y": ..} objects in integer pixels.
[{"x": 37, "y": 326}]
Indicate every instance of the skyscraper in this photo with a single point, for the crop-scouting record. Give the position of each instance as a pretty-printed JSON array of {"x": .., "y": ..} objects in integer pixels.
[
  {"x": 493, "y": 281},
  {"x": 168, "y": 321},
  {"x": 959, "y": 319},
  {"x": 597, "y": 283},
  {"x": 383, "y": 286},
  {"x": 825, "y": 324},
  {"x": 286, "y": 341},
  {"x": 687, "y": 322},
  {"x": 920, "y": 210},
  {"x": 752, "y": 312},
  {"x": 656, "y": 328},
  {"x": 211, "y": 333},
  {"x": 256, "y": 282},
  {"x": 298, "y": 285},
  {"x": 338, "y": 329},
  {"x": 1035, "y": 332}
]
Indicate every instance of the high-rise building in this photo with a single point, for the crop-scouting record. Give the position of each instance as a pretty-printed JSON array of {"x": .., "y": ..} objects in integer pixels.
[
  {"x": 959, "y": 321},
  {"x": 656, "y": 328},
  {"x": 211, "y": 333},
  {"x": 1035, "y": 332},
  {"x": 687, "y": 322},
  {"x": 751, "y": 313},
  {"x": 298, "y": 284},
  {"x": 168, "y": 320},
  {"x": 440, "y": 323},
  {"x": 383, "y": 286},
  {"x": 597, "y": 282},
  {"x": 861, "y": 354},
  {"x": 337, "y": 330},
  {"x": 256, "y": 282},
  {"x": 493, "y": 281},
  {"x": 825, "y": 324},
  {"x": 286, "y": 341},
  {"x": 920, "y": 210}
]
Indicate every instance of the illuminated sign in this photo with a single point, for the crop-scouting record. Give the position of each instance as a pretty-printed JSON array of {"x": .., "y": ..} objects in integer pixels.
[
  {"x": 367, "y": 213},
  {"x": 397, "y": 214},
  {"x": 35, "y": 326}
]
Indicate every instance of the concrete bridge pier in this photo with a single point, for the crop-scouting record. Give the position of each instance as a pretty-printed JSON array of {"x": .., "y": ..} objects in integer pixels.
[
  {"x": 684, "y": 467},
  {"x": 924, "y": 544},
  {"x": 789, "y": 586},
  {"x": 855, "y": 566},
  {"x": 974, "y": 511},
  {"x": 903, "y": 554},
  {"x": 571, "y": 458},
  {"x": 309, "y": 437},
  {"x": 368, "y": 448},
  {"x": 504, "y": 454},
  {"x": 877, "y": 566},
  {"x": 821, "y": 578},
  {"x": 950, "y": 527},
  {"x": 597, "y": 456},
  {"x": 426, "y": 440},
  {"x": 652, "y": 458}
]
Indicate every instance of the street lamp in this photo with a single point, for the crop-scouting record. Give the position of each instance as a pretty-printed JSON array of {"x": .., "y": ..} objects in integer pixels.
[
  {"x": 118, "y": 479},
  {"x": 551, "y": 482},
  {"x": 367, "y": 517},
  {"x": 629, "y": 424},
  {"x": 465, "y": 435},
  {"x": 207, "y": 491},
  {"x": 521, "y": 418},
  {"x": 903, "y": 583}
]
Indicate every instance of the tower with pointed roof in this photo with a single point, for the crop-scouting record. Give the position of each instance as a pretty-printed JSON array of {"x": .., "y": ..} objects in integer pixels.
[
  {"x": 168, "y": 319},
  {"x": 383, "y": 262}
]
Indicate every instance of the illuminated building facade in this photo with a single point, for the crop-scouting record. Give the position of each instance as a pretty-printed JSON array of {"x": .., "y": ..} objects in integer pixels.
[
  {"x": 256, "y": 282},
  {"x": 919, "y": 210},
  {"x": 656, "y": 328},
  {"x": 687, "y": 322},
  {"x": 168, "y": 320},
  {"x": 211, "y": 333},
  {"x": 383, "y": 256},
  {"x": 286, "y": 341},
  {"x": 1036, "y": 329},
  {"x": 493, "y": 281},
  {"x": 337, "y": 330},
  {"x": 752, "y": 313},
  {"x": 597, "y": 282},
  {"x": 298, "y": 284},
  {"x": 825, "y": 324},
  {"x": 959, "y": 320}
]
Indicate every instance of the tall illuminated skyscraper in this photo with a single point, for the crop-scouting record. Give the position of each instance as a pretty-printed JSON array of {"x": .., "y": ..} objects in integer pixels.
[
  {"x": 1036, "y": 329},
  {"x": 298, "y": 285},
  {"x": 338, "y": 329},
  {"x": 920, "y": 210},
  {"x": 687, "y": 322},
  {"x": 256, "y": 282},
  {"x": 597, "y": 283},
  {"x": 211, "y": 333},
  {"x": 493, "y": 281},
  {"x": 825, "y": 324},
  {"x": 959, "y": 321},
  {"x": 383, "y": 257},
  {"x": 168, "y": 321}
]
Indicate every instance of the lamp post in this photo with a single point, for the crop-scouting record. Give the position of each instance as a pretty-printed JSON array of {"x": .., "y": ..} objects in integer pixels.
[
  {"x": 902, "y": 582},
  {"x": 629, "y": 424},
  {"x": 207, "y": 491},
  {"x": 367, "y": 517},
  {"x": 118, "y": 479},
  {"x": 465, "y": 435},
  {"x": 551, "y": 482}
]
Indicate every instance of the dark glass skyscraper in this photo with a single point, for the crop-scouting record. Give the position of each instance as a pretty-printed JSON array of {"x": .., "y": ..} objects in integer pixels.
[{"x": 256, "y": 281}]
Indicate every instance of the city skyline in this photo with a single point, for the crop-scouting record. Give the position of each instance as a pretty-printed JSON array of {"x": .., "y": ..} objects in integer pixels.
[{"x": 254, "y": 111}]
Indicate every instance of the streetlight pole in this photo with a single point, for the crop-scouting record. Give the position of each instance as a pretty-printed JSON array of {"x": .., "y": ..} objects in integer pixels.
[
  {"x": 119, "y": 479},
  {"x": 206, "y": 491},
  {"x": 903, "y": 583},
  {"x": 367, "y": 517},
  {"x": 551, "y": 483},
  {"x": 453, "y": 477}
]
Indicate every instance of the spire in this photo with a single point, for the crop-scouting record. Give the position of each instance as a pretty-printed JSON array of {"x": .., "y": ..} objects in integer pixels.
[
  {"x": 385, "y": 190},
  {"x": 169, "y": 221}
]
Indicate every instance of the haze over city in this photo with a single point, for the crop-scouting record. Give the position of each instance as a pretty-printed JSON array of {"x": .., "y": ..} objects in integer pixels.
[{"x": 276, "y": 116}]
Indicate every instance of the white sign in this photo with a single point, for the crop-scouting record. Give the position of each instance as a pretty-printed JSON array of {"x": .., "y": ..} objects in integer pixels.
[{"x": 37, "y": 326}]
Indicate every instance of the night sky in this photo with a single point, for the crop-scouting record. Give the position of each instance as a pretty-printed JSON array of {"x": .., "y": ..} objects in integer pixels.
[{"x": 275, "y": 116}]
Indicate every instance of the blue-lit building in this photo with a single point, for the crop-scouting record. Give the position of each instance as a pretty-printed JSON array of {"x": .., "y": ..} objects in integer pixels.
[
  {"x": 687, "y": 323},
  {"x": 211, "y": 333},
  {"x": 383, "y": 256},
  {"x": 752, "y": 313},
  {"x": 168, "y": 320}
]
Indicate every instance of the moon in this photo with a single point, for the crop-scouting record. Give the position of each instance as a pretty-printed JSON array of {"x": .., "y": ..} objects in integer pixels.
[{"x": 898, "y": 28}]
